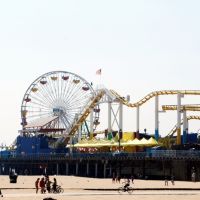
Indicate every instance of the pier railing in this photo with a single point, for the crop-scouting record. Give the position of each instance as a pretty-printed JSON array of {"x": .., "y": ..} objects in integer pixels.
[{"x": 154, "y": 154}]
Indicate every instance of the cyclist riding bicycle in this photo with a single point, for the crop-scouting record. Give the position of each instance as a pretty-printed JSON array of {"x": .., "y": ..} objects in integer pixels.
[{"x": 127, "y": 184}]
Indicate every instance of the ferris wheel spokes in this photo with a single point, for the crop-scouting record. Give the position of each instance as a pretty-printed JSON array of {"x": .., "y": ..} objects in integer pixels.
[{"x": 61, "y": 96}]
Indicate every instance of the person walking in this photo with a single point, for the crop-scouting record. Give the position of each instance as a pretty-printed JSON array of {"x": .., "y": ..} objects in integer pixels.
[
  {"x": 48, "y": 185},
  {"x": 54, "y": 184},
  {"x": 166, "y": 181},
  {"x": 113, "y": 177},
  {"x": 1, "y": 193},
  {"x": 37, "y": 185},
  {"x": 42, "y": 185},
  {"x": 132, "y": 179},
  {"x": 193, "y": 176},
  {"x": 172, "y": 180}
]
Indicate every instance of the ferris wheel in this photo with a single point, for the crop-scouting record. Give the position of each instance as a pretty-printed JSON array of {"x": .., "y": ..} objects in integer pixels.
[{"x": 54, "y": 101}]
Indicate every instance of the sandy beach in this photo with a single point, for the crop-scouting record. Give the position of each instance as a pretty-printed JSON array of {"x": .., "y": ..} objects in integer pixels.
[{"x": 92, "y": 188}]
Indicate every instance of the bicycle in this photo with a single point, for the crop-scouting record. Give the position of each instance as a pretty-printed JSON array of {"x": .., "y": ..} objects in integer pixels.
[
  {"x": 128, "y": 189},
  {"x": 59, "y": 189}
]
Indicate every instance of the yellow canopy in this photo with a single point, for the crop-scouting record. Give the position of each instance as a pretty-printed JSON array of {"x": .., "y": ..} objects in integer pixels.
[
  {"x": 127, "y": 136},
  {"x": 134, "y": 142},
  {"x": 97, "y": 143},
  {"x": 152, "y": 142},
  {"x": 143, "y": 142},
  {"x": 94, "y": 143}
]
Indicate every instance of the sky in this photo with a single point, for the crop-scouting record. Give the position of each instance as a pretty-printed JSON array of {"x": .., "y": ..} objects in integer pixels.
[{"x": 141, "y": 46}]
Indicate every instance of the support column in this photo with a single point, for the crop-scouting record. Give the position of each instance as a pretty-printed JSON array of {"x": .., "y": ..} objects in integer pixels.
[
  {"x": 57, "y": 169},
  {"x": 76, "y": 168},
  {"x": 137, "y": 121},
  {"x": 187, "y": 126},
  {"x": 178, "y": 139},
  {"x": 156, "y": 118},
  {"x": 143, "y": 169},
  {"x": 91, "y": 123},
  {"x": 104, "y": 169},
  {"x": 110, "y": 171},
  {"x": 67, "y": 168},
  {"x": 96, "y": 170},
  {"x": 70, "y": 142},
  {"x": 109, "y": 117},
  {"x": 79, "y": 133},
  {"x": 184, "y": 127},
  {"x": 87, "y": 169},
  {"x": 121, "y": 116}
]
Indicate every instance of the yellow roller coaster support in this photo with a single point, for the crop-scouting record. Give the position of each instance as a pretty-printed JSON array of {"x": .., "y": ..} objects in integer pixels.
[
  {"x": 191, "y": 107},
  {"x": 87, "y": 111},
  {"x": 178, "y": 138},
  {"x": 173, "y": 130}
]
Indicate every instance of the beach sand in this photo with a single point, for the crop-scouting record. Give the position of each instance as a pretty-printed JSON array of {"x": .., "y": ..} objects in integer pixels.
[{"x": 81, "y": 188}]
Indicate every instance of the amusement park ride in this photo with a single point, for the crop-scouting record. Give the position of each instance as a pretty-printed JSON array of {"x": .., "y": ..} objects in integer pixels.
[{"x": 60, "y": 108}]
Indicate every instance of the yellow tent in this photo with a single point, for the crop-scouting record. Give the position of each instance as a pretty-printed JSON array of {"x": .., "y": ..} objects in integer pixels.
[
  {"x": 143, "y": 142},
  {"x": 152, "y": 142},
  {"x": 134, "y": 142},
  {"x": 128, "y": 136},
  {"x": 97, "y": 143}
]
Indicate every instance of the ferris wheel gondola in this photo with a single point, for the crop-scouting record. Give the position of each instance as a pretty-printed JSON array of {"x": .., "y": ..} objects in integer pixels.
[{"x": 54, "y": 101}]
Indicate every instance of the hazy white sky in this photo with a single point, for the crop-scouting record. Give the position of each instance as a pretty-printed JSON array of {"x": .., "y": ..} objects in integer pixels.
[{"x": 141, "y": 46}]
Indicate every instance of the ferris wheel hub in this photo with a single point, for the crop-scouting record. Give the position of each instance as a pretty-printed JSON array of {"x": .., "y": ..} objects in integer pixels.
[{"x": 59, "y": 111}]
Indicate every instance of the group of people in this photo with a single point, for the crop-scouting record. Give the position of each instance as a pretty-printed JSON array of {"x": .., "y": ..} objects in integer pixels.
[
  {"x": 44, "y": 184},
  {"x": 117, "y": 178},
  {"x": 172, "y": 180},
  {"x": 126, "y": 182}
]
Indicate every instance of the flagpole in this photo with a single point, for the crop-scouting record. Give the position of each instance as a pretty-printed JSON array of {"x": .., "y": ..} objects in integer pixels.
[
  {"x": 100, "y": 79},
  {"x": 98, "y": 72}
]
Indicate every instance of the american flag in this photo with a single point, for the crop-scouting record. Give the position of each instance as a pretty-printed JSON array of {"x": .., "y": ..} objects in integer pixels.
[{"x": 98, "y": 72}]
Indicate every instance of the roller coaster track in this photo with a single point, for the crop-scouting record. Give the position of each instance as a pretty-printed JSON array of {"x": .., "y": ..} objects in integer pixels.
[
  {"x": 83, "y": 116},
  {"x": 153, "y": 94},
  {"x": 171, "y": 133},
  {"x": 190, "y": 107}
]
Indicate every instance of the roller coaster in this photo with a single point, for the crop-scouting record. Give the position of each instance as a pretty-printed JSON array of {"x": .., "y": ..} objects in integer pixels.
[
  {"x": 156, "y": 94},
  {"x": 184, "y": 122},
  {"x": 64, "y": 106},
  {"x": 174, "y": 129}
]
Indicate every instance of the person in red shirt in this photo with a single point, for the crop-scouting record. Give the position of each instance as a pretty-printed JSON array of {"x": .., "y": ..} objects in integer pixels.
[{"x": 42, "y": 185}]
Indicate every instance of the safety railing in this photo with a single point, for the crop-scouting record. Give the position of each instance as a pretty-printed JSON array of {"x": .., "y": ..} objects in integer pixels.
[{"x": 187, "y": 154}]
